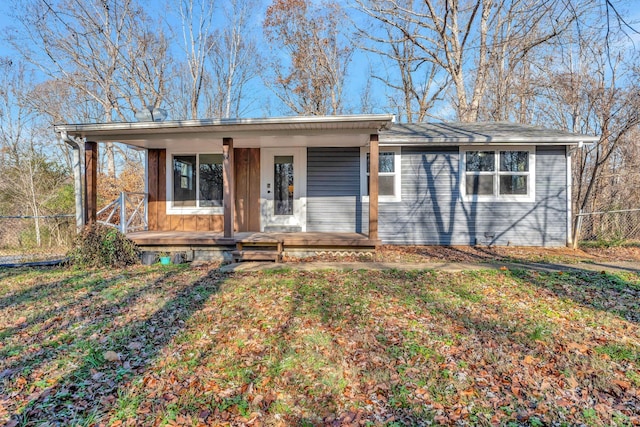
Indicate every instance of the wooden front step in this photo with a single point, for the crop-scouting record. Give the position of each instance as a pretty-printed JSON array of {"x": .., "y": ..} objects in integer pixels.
[
  {"x": 258, "y": 248},
  {"x": 256, "y": 255}
]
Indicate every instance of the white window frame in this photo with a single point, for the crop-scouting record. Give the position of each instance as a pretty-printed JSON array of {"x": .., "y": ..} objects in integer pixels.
[
  {"x": 187, "y": 210},
  {"x": 397, "y": 174},
  {"x": 496, "y": 196}
]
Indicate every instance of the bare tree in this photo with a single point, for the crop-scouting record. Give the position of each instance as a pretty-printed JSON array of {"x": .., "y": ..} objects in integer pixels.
[
  {"x": 410, "y": 74},
  {"x": 590, "y": 91},
  {"x": 366, "y": 98},
  {"x": 234, "y": 59},
  {"x": 196, "y": 18},
  {"x": 97, "y": 47},
  {"x": 463, "y": 38},
  {"x": 15, "y": 118},
  {"x": 310, "y": 80},
  {"x": 29, "y": 178},
  {"x": 147, "y": 60}
]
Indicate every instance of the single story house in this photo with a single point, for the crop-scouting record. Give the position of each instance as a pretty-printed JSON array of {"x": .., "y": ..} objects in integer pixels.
[{"x": 340, "y": 181}]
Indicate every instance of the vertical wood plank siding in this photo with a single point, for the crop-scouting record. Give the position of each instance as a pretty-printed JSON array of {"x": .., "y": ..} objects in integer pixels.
[
  {"x": 432, "y": 213},
  {"x": 333, "y": 190},
  {"x": 194, "y": 223},
  {"x": 162, "y": 190},
  {"x": 247, "y": 176},
  {"x": 153, "y": 157},
  {"x": 157, "y": 187}
]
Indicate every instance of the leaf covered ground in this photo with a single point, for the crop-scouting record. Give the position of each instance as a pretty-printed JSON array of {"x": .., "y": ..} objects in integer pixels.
[
  {"x": 181, "y": 345},
  {"x": 471, "y": 254}
]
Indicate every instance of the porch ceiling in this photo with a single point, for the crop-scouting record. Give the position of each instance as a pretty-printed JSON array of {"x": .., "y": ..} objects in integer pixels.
[{"x": 270, "y": 132}]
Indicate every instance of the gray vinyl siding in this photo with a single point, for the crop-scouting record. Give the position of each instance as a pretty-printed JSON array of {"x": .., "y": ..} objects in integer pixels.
[
  {"x": 333, "y": 190},
  {"x": 432, "y": 213}
]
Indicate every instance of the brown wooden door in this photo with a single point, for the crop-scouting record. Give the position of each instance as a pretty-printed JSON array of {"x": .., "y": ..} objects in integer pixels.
[{"x": 247, "y": 177}]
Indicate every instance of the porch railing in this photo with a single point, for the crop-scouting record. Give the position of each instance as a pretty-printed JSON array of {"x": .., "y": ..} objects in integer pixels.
[{"x": 127, "y": 213}]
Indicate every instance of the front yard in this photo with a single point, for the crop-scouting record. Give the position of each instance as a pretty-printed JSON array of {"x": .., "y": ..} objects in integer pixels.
[{"x": 181, "y": 345}]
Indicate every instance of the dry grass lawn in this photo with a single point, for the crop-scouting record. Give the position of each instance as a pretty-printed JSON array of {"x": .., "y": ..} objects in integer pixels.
[{"x": 192, "y": 346}]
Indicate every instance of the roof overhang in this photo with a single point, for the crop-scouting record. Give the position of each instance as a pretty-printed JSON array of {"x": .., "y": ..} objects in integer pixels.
[
  {"x": 301, "y": 130},
  {"x": 480, "y": 133}
]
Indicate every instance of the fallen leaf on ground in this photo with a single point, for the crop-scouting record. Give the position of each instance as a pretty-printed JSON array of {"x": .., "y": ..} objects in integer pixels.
[{"x": 111, "y": 356}]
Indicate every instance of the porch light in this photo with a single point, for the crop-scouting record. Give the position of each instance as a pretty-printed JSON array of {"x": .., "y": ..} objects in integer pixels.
[{"x": 151, "y": 114}]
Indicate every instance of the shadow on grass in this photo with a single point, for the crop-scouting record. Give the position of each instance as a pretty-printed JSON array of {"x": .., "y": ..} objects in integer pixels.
[
  {"x": 342, "y": 308},
  {"x": 384, "y": 365},
  {"x": 337, "y": 309},
  {"x": 92, "y": 385},
  {"x": 305, "y": 363},
  {"x": 448, "y": 253},
  {"x": 29, "y": 293},
  {"x": 326, "y": 347},
  {"x": 618, "y": 267},
  {"x": 602, "y": 290},
  {"x": 52, "y": 319}
]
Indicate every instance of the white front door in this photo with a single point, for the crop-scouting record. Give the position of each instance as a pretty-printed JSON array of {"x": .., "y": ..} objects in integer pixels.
[{"x": 283, "y": 189}]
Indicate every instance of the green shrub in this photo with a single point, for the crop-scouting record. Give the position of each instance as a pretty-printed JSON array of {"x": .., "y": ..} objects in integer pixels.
[{"x": 101, "y": 246}]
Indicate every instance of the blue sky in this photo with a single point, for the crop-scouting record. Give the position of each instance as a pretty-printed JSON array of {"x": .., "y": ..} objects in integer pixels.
[
  {"x": 5, "y": 21},
  {"x": 269, "y": 104},
  {"x": 359, "y": 69}
]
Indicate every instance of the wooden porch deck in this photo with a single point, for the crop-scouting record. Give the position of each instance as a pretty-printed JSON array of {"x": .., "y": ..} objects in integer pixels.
[{"x": 289, "y": 240}]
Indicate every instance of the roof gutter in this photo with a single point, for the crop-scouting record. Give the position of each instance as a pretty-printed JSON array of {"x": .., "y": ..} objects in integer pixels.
[
  {"x": 78, "y": 148},
  {"x": 578, "y": 141},
  {"x": 384, "y": 122}
]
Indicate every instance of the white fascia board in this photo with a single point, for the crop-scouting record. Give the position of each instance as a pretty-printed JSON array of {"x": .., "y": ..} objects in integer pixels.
[{"x": 368, "y": 121}]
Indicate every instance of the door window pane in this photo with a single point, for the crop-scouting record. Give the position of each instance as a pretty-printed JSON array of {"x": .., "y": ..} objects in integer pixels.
[
  {"x": 210, "y": 180},
  {"x": 184, "y": 181},
  {"x": 283, "y": 185}
]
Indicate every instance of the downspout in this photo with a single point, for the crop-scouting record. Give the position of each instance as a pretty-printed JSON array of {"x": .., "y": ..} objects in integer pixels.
[
  {"x": 569, "y": 195},
  {"x": 77, "y": 176}
]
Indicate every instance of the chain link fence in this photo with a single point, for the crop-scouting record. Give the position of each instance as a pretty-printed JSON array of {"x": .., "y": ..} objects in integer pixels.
[
  {"x": 617, "y": 225},
  {"x": 35, "y": 238},
  {"x": 42, "y": 238}
]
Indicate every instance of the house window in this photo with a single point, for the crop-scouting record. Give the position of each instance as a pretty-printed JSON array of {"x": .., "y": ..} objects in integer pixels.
[
  {"x": 388, "y": 173},
  {"x": 499, "y": 174},
  {"x": 197, "y": 181}
]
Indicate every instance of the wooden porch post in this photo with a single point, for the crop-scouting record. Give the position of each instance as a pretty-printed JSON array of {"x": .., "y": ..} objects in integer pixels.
[
  {"x": 373, "y": 186},
  {"x": 90, "y": 181},
  {"x": 153, "y": 158},
  {"x": 229, "y": 197}
]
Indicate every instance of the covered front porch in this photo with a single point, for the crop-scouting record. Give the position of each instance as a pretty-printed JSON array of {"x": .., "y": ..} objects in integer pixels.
[{"x": 305, "y": 182}]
